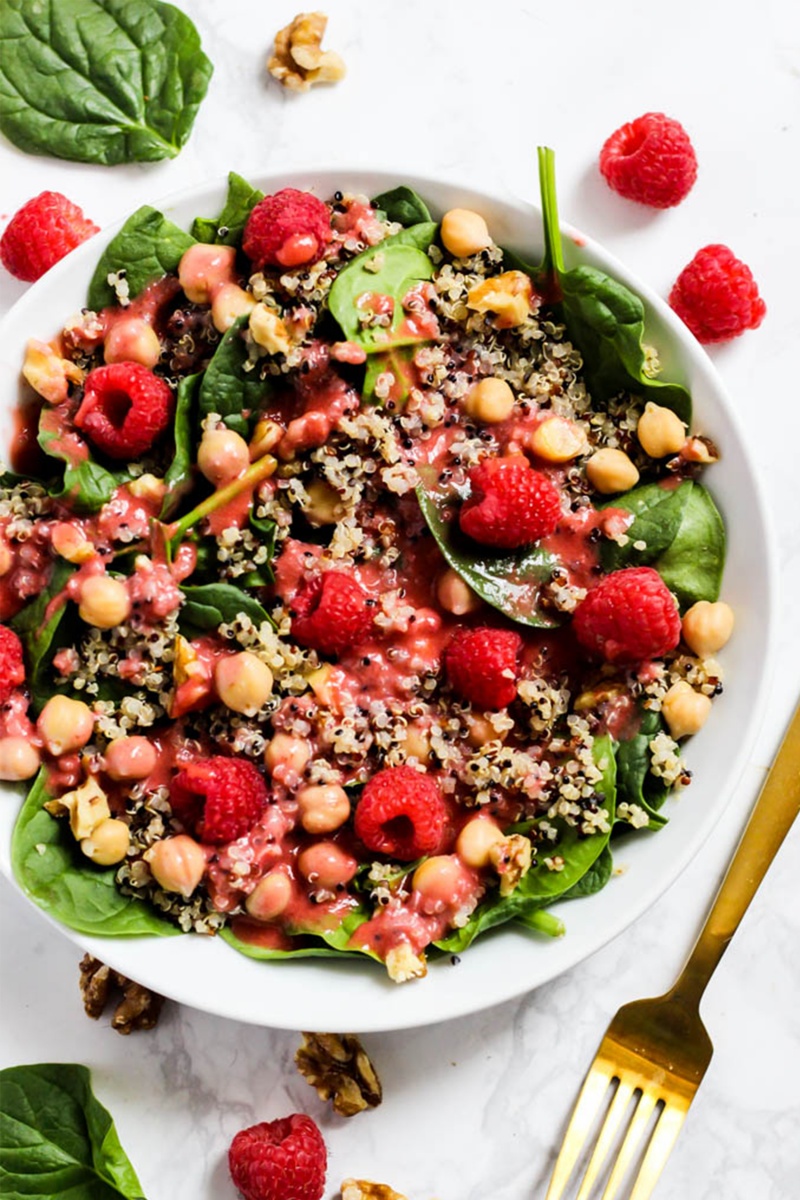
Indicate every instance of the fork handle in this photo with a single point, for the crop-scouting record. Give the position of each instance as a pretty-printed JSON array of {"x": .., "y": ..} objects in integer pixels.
[{"x": 771, "y": 819}]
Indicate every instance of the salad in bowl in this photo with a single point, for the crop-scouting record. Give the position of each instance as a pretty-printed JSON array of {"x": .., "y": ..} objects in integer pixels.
[{"x": 361, "y": 582}]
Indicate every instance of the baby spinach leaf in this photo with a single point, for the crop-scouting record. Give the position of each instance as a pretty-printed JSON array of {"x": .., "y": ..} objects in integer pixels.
[
  {"x": 635, "y": 783},
  {"x": 316, "y": 942},
  {"x": 692, "y": 565},
  {"x": 99, "y": 81},
  {"x": 403, "y": 205},
  {"x": 178, "y": 477},
  {"x": 227, "y": 228},
  {"x": 85, "y": 484},
  {"x": 397, "y": 362},
  {"x": 596, "y": 877},
  {"x": 604, "y": 319},
  {"x": 38, "y": 634},
  {"x": 658, "y": 512},
  {"x": 147, "y": 247},
  {"x": 541, "y": 886},
  {"x": 57, "y": 1139},
  {"x": 401, "y": 266},
  {"x": 51, "y": 870},
  {"x": 209, "y": 605},
  {"x": 511, "y": 583},
  {"x": 227, "y": 388}
]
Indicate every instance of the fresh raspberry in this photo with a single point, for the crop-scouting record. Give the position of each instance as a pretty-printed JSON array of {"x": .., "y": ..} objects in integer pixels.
[
  {"x": 401, "y": 813},
  {"x": 716, "y": 296},
  {"x": 510, "y": 504},
  {"x": 279, "y": 1160},
  {"x": 288, "y": 229},
  {"x": 481, "y": 665},
  {"x": 651, "y": 160},
  {"x": 330, "y": 613},
  {"x": 628, "y": 617},
  {"x": 218, "y": 799},
  {"x": 124, "y": 409},
  {"x": 12, "y": 666},
  {"x": 41, "y": 233}
]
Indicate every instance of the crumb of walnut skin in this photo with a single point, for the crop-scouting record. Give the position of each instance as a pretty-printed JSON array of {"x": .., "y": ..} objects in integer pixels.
[
  {"x": 138, "y": 1008},
  {"x": 298, "y": 60},
  {"x": 365, "y": 1189},
  {"x": 338, "y": 1066}
]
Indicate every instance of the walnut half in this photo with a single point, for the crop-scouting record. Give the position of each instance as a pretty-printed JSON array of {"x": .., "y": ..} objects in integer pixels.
[
  {"x": 298, "y": 60},
  {"x": 338, "y": 1066},
  {"x": 364, "y": 1189},
  {"x": 138, "y": 1007}
]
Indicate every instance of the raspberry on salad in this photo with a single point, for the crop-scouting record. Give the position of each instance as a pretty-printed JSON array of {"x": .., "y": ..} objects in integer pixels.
[
  {"x": 12, "y": 665},
  {"x": 510, "y": 505},
  {"x": 218, "y": 799},
  {"x": 630, "y": 616},
  {"x": 330, "y": 613},
  {"x": 279, "y": 1160},
  {"x": 41, "y": 233},
  {"x": 401, "y": 813},
  {"x": 287, "y": 229},
  {"x": 717, "y": 296},
  {"x": 124, "y": 409},
  {"x": 482, "y": 667},
  {"x": 650, "y": 160}
]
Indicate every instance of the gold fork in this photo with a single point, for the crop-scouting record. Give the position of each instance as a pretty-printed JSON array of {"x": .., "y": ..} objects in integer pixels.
[{"x": 658, "y": 1050}]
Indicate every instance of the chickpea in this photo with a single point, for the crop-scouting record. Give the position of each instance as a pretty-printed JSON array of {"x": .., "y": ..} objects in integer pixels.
[
  {"x": 177, "y": 864},
  {"x": 464, "y": 232},
  {"x": 204, "y": 268},
  {"x": 132, "y": 340},
  {"x": 286, "y": 754},
  {"x": 417, "y": 743},
  {"x": 243, "y": 682},
  {"x": 222, "y": 455},
  {"x": 130, "y": 758},
  {"x": 108, "y": 842},
  {"x": 455, "y": 595},
  {"x": 148, "y": 487},
  {"x": 325, "y": 507},
  {"x": 326, "y": 865},
  {"x": 476, "y": 840},
  {"x": 660, "y": 431},
  {"x": 64, "y": 724},
  {"x": 104, "y": 601},
  {"x": 557, "y": 440},
  {"x": 707, "y": 627},
  {"x": 270, "y": 896},
  {"x": 6, "y": 557},
  {"x": 481, "y": 731},
  {"x": 18, "y": 759},
  {"x": 268, "y": 330},
  {"x": 610, "y": 470},
  {"x": 685, "y": 710},
  {"x": 229, "y": 302},
  {"x": 323, "y": 807},
  {"x": 438, "y": 879},
  {"x": 491, "y": 400},
  {"x": 70, "y": 542}
]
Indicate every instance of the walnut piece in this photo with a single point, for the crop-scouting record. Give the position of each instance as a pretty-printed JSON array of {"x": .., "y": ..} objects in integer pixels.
[
  {"x": 511, "y": 858},
  {"x": 338, "y": 1066},
  {"x": 298, "y": 60},
  {"x": 364, "y": 1189},
  {"x": 138, "y": 1008}
]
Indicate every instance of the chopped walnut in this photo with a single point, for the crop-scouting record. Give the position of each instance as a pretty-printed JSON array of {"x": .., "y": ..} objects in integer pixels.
[
  {"x": 403, "y": 964},
  {"x": 138, "y": 1008},
  {"x": 298, "y": 60},
  {"x": 338, "y": 1066},
  {"x": 365, "y": 1189},
  {"x": 511, "y": 858}
]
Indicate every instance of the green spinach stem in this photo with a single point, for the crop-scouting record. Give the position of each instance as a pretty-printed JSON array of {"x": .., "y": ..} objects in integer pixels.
[{"x": 262, "y": 468}]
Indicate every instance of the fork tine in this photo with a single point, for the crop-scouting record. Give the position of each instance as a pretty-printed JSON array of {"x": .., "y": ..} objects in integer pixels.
[
  {"x": 586, "y": 1107},
  {"x": 661, "y": 1143},
  {"x": 641, "y": 1116},
  {"x": 606, "y": 1138}
]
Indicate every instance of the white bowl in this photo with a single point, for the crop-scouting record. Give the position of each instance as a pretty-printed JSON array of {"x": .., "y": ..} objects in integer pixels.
[{"x": 355, "y": 995}]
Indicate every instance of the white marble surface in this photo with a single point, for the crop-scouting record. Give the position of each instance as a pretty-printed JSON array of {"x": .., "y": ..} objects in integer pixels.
[{"x": 476, "y": 1107}]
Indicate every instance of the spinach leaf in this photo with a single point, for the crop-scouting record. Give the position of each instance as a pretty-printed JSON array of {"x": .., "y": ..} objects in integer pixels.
[
  {"x": 541, "y": 886},
  {"x": 604, "y": 319},
  {"x": 227, "y": 228},
  {"x": 51, "y": 870},
  {"x": 147, "y": 247},
  {"x": 209, "y": 605},
  {"x": 99, "y": 81},
  {"x": 596, "y": 877},
  {"x": 38, "y": 635},
  {"x": 635, "y": 783},
  {"x": 401, "y": 266},
  {"x": 57, "y": 1139},
  {"x": 398, "y": 362},
  {"x": 403, "y": 205},
  {"x": 227, "y": 388},
  {"x": 692, "y": 565},
  {"x": 178, "y": 477},
  {"x": 509, "y": 582},
  {"x": 658, "y": 512},
  {"x": 316, "y": 942}
]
